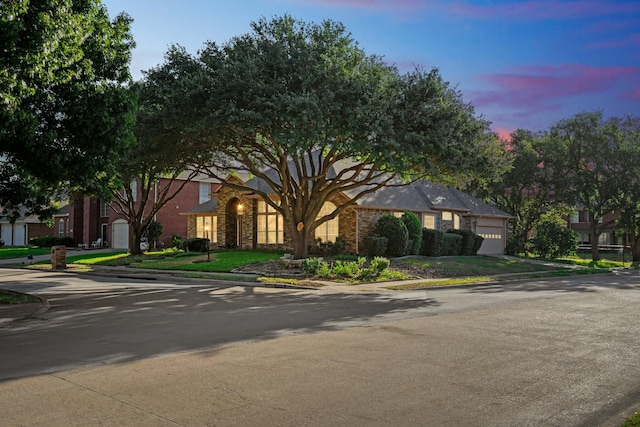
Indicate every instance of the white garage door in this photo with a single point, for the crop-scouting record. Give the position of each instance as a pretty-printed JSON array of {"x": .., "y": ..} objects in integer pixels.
[
  {"x": 494, "y": 239},
  {"x": 13, "y": 235},
  {"x": 120, "y": 234}
]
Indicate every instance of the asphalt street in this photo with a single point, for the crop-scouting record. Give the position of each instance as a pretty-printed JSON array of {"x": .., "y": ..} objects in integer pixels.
[{"x": 115, "y": 351}]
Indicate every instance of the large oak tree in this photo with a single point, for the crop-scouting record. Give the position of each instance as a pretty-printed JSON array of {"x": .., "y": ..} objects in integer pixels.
[
  {"x": 301, "y": 107},
  {"x": 65, "y": 110}
]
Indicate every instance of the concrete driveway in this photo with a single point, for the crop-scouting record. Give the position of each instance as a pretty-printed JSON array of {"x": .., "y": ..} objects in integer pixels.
[{"x": 553, "y": 352}]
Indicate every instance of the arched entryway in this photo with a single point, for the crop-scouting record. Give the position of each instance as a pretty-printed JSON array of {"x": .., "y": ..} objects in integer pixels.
[{"x": 233, "y": 223}]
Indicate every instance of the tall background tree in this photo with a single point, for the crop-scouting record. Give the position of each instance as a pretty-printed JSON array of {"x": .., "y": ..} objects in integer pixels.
[
  {"x": 155, "y": 168},
  {"x": 526, "y": 190},
  {"x": 590, "y": 161},
  {"x": 301, "y": 107},
  {"x": 628, "y": 130},
  {"x": 65, "y": 109}
]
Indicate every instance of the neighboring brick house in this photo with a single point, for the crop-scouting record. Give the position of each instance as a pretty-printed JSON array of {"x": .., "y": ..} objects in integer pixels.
[
  {"x": 24, "y": 228},
  {"x": 240, "y": 219},
  {"x": 96, "y": 223},
  {"x": 580, "y": 222}
]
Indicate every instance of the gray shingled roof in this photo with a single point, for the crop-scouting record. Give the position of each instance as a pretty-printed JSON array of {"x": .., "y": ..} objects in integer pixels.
[
  {"x": 206, "y": 207},
  {"x": 420, "y": 196},
  {"x": 424, "y": 196}
]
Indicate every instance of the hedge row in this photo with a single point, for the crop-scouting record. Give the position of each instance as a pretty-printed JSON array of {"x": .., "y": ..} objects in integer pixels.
[{"x": 48, "y": 241}]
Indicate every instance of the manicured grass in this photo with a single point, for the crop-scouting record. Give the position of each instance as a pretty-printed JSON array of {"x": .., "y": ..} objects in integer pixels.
[
  {"x": 602, "y": 263},
  {"x": 22, "y": 252},
  {"x": 90, "y": 258},
  {"x": 220, "y": 261},
  {"x": 474, "y": 266},
  {"x": 633, "y": 421},
  {"x": 10, "y": 297},
  {"x": 489, "y": 279}
]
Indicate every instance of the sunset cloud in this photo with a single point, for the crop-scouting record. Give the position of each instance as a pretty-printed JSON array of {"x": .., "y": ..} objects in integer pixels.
[
  {"x": 540, "y": 9},
  {"x": 538, "y": 88},
  {"x": 372, "y": 4}
]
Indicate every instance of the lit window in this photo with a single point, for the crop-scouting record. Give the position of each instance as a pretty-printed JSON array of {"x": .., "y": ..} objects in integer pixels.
[
  {"x": 61, "y": 228},
  {"x": 269, "y": 224},
  {"x": 429, "y": 221},
  {"x": 447, "y": 216},
  {"x": 207, "y": 228},
  {"x": 328, "y": 231}
]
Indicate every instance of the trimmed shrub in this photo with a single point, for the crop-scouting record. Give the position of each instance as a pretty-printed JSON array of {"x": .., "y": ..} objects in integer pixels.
[
  {"x": 396, "y": 233},
  {"x": 468, "y": 242},
  {"x": 196, "y": 244},
  {"x": 477, "y": 244},
  {"x": 378, "y": 265},
  {"x": 329, "y": 248},
  {"x": 432, "y": 242},
  {"x": 43, "y": 242},
  {"x": 375, "y": 246},
  {"x": 414, "y": 228},
  {"x": 311, "y": 265},
  {"x": 64, "y": 241},
  {"x": 451, "y": 244},
  {"x": 176, "y": 241}
]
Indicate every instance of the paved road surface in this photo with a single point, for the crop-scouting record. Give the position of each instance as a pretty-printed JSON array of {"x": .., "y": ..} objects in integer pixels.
[{"x": 562, "y": 352}]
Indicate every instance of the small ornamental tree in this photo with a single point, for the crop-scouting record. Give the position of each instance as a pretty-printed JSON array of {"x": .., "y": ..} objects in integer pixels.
[
  {"x": 412, "y": 222},
  {"x": 552, "y": 240},
  {"x": 396, "y": 233}
]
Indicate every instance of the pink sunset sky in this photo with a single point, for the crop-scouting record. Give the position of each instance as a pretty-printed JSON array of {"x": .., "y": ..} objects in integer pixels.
[{"x": 522, "y": 64}]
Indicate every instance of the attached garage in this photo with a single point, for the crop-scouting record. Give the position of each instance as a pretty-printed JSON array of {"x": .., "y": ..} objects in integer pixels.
[
  {"x": 13, "y": 234},
  {"x": 120, "y": 234},
  {"x": 493, "y": 231}
]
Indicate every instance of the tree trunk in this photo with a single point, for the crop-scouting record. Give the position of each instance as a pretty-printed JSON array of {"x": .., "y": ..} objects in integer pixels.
[
  {"x": 135, "y": 237},
  {"x": 635, "y": 249},
  {"x": 300, "y": 244},
  {"x": 595, "y": 254}
]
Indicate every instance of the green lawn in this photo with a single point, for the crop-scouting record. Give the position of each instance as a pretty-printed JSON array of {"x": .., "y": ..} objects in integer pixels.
[
  {"x": 474, "y": 266},
  {"x": 220, "y": 261},
  {"x": 22, "y": 252}
]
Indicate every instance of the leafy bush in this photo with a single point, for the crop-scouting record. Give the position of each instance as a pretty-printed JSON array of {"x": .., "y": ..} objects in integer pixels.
[
  {"x": 176, "y": 241},
  {"x": 396, "y": 233},
  {"x": 414, "y": 229},
  {"x": 468, "y": 242},
  {"x": 43, "y": 242},
  {"x": 348, "y": 268},
  {"x": 375, "y": 246},
  {"x": 432, "y": 242},
  {"x": 351, "y": 269},
  {"x": 196, "y": 244},
  {"x": 477, "y": 243},
  {"x": 311, "y": 265},
  {"x": 552, "y": 240},
  {"x": 451, "y": 244},
  {"x": 329, "y": 248},
  {"x": 379, "y": 264},
  {"x": 64, "y": 241},
  {"x": 153, "y": 233}
]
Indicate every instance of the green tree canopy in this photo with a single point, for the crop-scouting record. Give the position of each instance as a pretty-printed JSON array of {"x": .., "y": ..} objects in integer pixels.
[
  {"x": 526, "y": 191},
  {"x": 301, "y": 107},
  {"x": 64, "y": 109},
  {"x": 628, "y": 129},
  {"x": 590, "y": 160}
]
